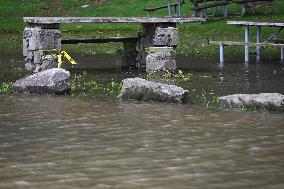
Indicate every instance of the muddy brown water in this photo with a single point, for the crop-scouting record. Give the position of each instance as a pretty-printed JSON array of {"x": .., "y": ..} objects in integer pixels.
[{"x": 69, "y": 142}]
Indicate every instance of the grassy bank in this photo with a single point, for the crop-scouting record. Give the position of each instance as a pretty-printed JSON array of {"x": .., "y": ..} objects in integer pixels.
[{"x": 194, "y": 38}]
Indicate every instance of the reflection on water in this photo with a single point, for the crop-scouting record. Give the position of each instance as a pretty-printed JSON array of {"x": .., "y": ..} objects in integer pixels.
[{"x": 67, "y": 142}]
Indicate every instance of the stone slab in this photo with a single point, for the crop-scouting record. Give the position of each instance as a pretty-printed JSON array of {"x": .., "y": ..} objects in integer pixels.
[
  {"x": 58, "y": 20},
  {"x": 268, "y": 101}
]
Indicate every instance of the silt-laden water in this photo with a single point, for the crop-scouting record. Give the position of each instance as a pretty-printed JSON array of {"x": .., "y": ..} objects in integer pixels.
[{"x": 68, "y": 142}]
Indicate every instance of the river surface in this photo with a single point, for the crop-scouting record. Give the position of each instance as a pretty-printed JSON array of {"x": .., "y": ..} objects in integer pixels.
[{"x": 65, "y": 142}]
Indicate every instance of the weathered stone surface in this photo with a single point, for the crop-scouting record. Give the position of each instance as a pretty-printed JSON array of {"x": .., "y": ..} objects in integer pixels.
[
  {"x": 166, "y": 37},
  {"x": 144, "y": 90},
  {"x": 55, "y": 20},
  {"x": 268, "y": 101},
  {"x": 47, "y": 62},
  {"x": 160, "y": 61},
  {"x": 36, "y": 38},
  {"x": 55, "y": 81},
  {"x": 29, "y": 66}
]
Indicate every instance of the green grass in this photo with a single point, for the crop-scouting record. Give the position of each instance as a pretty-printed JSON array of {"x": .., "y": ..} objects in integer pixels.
[{"x": 194, "y": 38}]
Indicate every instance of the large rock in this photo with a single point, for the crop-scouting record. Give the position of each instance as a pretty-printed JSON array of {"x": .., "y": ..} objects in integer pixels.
[
  {"x": 55, "y": 81},
  {"x": 267, "y": 101},
  {"x": 144, "y": 90}
]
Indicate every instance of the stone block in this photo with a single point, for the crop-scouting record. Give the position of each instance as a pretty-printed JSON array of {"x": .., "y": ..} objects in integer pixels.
[
  {"x": 41, "y": 39},
  {"x": 37, "y": 57},
  {"x": 49, "y": 39},
  {"x": 47, "y": 62},
  {"x": 160, "y": 61},
  {"x": 166, "y": 37},
  {"x": 25, "y": 47}
]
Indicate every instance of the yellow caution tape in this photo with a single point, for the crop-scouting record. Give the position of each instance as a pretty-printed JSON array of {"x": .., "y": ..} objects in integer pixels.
[
  {"x": 65, "y": 55},
  {"x": 59, "y": 59}
]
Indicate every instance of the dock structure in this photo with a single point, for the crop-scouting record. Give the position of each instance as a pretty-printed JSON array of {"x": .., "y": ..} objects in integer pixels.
[
  {"x": 272, "y": 40},
  {"x": 43, "y": 34}
]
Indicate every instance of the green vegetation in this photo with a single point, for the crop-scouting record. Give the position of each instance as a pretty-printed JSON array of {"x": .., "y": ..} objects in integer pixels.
[
  {"x": 81, "y": 85},
  {"x": 194, "y": 38},
  {"x": 203, "y": 98},
  {"x": 6, "y": 87}
]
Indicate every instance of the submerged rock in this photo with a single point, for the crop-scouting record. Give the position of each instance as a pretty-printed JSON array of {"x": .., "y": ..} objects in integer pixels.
[
  {"x": 54, "y": 81},
  {"x": 144, "y": 90},
  {"x": 267, "y": 101}
]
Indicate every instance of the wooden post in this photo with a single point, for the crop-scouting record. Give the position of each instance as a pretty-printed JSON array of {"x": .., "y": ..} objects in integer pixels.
[
  {"x": 246, "y": 41},
  {"x": 179, "y": 8},
  {"x": 221, "y": 53},
  {"x": 258, "y": 36},
  {"x": 169, "y": 8},
  {"x": 282, "y": 54}
]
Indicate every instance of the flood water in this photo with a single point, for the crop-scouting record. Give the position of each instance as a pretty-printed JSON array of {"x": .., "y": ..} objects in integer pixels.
[{"x": 67, "y": 142}]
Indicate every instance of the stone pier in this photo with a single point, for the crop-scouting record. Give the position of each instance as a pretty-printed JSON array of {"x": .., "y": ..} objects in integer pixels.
[
  {"x": 161, "y": 55},
  {"x": 38, "y": 39}
]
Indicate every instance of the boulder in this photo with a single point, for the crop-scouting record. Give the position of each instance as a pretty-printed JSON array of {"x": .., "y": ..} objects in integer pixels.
[
  {"x": 54, "y": 81},
  {"x": 144, "y": 90},
  {"x": 267, "y": 101}
]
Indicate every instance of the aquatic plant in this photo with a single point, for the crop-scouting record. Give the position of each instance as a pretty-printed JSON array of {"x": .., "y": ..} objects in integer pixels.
[
  {"x": 6, "y": 87},
  {"x": 82, "y": 86},
  {"x": 204, "y": 98},
  {"x": 177, "y": 77}
]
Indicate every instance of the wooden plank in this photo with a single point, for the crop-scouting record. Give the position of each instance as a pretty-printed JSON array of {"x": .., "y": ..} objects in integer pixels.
[
  {"x": 210, "y": 6},
  {"x": 98, "y": 40},
  {"x": 277, "y": 40},
  {"x": 231, "y": 43},
  {"x": 250, "y": 1},
  {"x": 160, "y": 7},
  {"x": 59, "y": 20},
  {"x": 262, "y": 23}
]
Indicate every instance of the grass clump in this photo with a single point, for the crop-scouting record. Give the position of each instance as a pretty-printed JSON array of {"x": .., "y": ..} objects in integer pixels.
[
  {"x": 204, "y": 98},
  {"x": 6, "y": 87}
]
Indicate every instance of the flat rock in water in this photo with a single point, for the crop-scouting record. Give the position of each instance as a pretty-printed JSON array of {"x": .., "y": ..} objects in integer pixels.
[
  {"x": 51, "y": 81},
  {"x": 144, "y": 90},
  {"x": 267, "y": 101}
]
